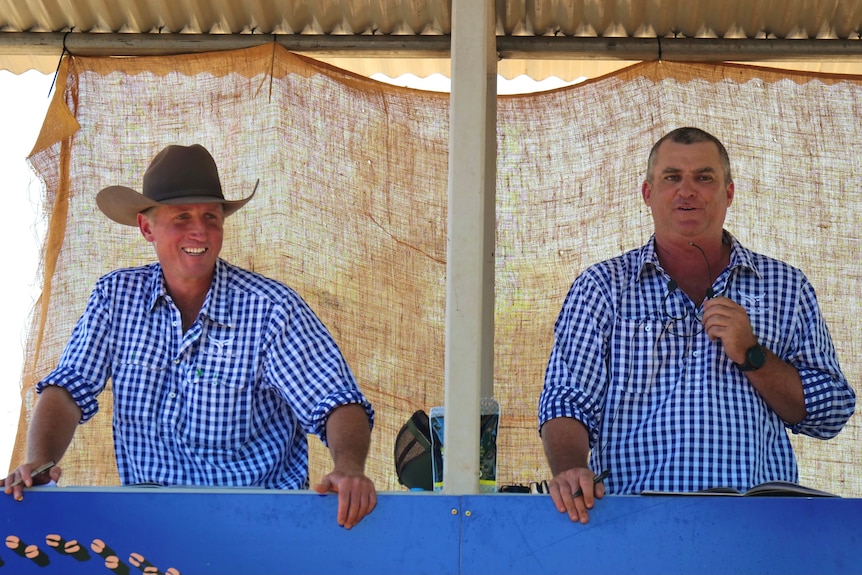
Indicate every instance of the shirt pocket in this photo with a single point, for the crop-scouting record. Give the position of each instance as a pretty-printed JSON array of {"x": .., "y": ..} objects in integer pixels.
[
  {"x": 218, "y": 402},
  {"x": 645, "y": 355},
  {"x": 138, "y": 383}
]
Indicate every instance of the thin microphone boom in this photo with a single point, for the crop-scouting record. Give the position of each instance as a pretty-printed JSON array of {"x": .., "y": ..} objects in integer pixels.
[{"x": 710, "y": 293}]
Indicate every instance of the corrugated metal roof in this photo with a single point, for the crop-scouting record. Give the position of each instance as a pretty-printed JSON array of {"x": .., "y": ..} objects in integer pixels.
[
  {"x": 558, "y": 19},
  {"x": 726, "y": 18}
]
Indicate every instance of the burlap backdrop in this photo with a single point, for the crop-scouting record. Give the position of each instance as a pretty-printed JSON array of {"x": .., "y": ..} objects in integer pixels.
[{"x": 352, "y": 204}]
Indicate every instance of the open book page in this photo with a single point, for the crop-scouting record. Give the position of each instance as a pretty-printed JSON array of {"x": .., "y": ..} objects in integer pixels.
[{"x": 768, "y": 489}]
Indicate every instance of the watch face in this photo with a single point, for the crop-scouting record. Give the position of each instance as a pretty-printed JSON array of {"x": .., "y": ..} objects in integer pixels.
[{"x": 755, "y": 357}]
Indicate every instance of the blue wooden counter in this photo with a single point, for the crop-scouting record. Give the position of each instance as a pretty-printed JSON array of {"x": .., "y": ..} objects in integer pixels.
[{"x": 248, "y": 532}]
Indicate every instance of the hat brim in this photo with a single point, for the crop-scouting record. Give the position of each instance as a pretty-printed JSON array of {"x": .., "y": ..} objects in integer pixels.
[{"x": 123, "y": 204}]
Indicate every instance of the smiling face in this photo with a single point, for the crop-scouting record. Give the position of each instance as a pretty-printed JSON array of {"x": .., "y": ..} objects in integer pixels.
[
  {"x": 687, "y": 192},
  {"x": 187, "y": 240}
]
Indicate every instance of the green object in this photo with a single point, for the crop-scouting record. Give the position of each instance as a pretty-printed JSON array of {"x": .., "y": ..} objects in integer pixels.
[{"x": 413, "y": 463}]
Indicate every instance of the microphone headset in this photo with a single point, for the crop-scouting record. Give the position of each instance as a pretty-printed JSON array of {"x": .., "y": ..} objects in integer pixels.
[{"x": 710, "y": 293}]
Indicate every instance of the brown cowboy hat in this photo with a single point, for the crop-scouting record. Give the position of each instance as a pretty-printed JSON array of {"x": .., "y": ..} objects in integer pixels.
[{"x": 177, "y": 175}]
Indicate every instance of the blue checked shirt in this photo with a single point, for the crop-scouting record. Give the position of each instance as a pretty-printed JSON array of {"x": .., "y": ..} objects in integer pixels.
[
  {"x": 665, "y": 408},
  {"x": 229, "y": 402}
]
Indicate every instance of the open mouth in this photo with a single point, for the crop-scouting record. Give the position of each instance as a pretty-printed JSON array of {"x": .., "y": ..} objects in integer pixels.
[{"x": 195, "y": 251}]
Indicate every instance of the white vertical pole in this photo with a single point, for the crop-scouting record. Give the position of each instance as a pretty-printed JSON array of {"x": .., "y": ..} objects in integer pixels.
[{"x": 471, "y": 235}]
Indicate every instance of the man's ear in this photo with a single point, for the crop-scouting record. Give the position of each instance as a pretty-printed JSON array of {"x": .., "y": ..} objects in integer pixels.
[
  {"x": 146, "y": 227},
  {"x": 646, "y": 192},
  {"x": 730, "y": 191}
]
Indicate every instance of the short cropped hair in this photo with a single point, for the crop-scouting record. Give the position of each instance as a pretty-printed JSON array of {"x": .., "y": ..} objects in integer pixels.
[{"x": 689, "y": 135}]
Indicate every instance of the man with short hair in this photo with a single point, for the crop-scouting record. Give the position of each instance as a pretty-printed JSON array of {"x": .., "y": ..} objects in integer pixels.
[
  {"x": 678, "y": 366},
  {"x": 218, "y": 372}
]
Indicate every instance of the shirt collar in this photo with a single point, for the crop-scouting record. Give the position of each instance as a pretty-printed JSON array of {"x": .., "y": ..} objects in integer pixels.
[
  {"x": 157, "y": 289},
  {"x": 216, "y": 305},
  {"x": 740, "y": 257}
]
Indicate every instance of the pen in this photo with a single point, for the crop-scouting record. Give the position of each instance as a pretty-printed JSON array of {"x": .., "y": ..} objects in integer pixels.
[
  {"x": 38, "y": 471},
  {"x": 597, "y": 479}
]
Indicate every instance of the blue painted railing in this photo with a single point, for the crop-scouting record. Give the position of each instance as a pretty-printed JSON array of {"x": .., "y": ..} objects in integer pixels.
[{"x": 248, "y": 532}]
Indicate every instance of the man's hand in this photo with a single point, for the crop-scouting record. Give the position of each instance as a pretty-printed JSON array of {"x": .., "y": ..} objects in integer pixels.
[
  {"x": 356, "y": 495},
  {"x": 28, "y": 475},
  {"x": 726, "y": 320},
  {"x": 564, "y": 488},
  {"x": 566, "y": 444},
  {"x": 52, "y": 426},
  {"x": 349, "y": 434},
  {"x": 777, "y": 382}
]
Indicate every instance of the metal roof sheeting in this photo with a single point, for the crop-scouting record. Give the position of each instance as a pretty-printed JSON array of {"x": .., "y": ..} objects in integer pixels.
[
  {"x": 366, "y": 20},
  {"x": 724, "y": 19}
]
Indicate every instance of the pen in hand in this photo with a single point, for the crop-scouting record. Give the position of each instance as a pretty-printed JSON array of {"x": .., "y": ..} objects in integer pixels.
[
  {"x": 38, "y": 471},
  {"x": 597, "y": 479}
]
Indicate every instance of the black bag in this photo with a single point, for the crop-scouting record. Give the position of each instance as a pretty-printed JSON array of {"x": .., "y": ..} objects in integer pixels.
[{"x": 413, "y": 453}]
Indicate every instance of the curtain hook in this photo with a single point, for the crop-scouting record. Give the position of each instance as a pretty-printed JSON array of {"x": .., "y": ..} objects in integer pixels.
[{"x": 60, "y": 62}]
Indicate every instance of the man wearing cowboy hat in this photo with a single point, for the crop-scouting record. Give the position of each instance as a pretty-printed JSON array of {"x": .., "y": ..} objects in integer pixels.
[{"x": 218, "y": 373}]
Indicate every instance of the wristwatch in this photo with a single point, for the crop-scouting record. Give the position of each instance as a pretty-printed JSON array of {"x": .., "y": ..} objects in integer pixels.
[{"x": 755, "y": 357}]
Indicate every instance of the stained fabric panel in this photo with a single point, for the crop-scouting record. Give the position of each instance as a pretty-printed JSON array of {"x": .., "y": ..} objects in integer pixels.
[{"x": 352, "y": 213}]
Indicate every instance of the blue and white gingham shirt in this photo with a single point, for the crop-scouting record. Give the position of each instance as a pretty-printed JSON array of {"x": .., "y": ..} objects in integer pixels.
[
  {"x": 230, "y": 401},
  {"x": 666, "y": 409}
]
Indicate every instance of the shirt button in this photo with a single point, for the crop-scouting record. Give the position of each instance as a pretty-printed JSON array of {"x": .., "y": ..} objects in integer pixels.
[
  {"x": 647, "y": 328},
  {"x": 177, "y": 361},
  {"x": 174, "y": 323},
  {"x": 172, "y": 395},
  {"x": 696, "y": 354}
]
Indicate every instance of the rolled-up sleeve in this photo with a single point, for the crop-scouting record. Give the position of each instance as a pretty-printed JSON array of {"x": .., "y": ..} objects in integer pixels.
[
  {"x": 308, "y": 369},
  {"x": 84, "y": 366},
  {"x": 829, "y": 398},
  {"x": 577, "y": 373}
]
